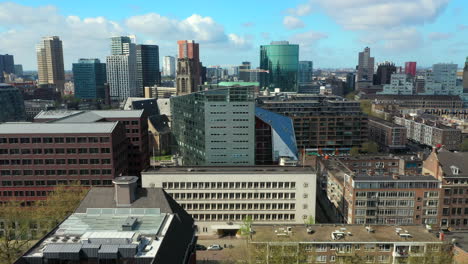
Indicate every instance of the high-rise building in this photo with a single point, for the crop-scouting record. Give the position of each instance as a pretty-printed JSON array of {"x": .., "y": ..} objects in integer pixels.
[
  {"x": 50, "y": 63},
  {"x": 306, "y": 69},
  {"x": 465, "y": 76},
  {"x": 11, "y": 104},
  {"x": 215, "y": 127},
  {"x": 279, "y": 62},
  {"x": 89, "y": 78},
  {"x": 365, "y": 70},
  {"x": 384, "y": 73},
  {"x": 122, "y": 69},
  {"x": 244, "y": 71},
  {"x": 6, "y": 66},
  {"x": 400, "y": 84},
  {"x": 350, "y": 82},
  {"x": 410, "y": 68},
  {"x": 18, "y": 69},
  {"x": 188, "y": 67},
  {"x": 147, "y": 59},
  {"x": 442, "y": 80},
  {"x": 169, "y": 66}
]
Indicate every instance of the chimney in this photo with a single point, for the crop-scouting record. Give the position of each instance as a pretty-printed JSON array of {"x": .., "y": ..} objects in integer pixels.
[
  {"x": 125, "y": 188},
  {"x": 441, "y": 236}
]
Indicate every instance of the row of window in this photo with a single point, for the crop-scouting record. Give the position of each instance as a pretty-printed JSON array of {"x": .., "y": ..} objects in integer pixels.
[
  {"x": 396, "y": 185},
  {"x": 387, "y": 203},
  {"x": 54, "y": 140},
  {"x": 55, "y": 172},
  {"x": 455, "y": 191},
  {"x": 454, "y": 211},
  {"x": 382, "y": 212},
  {"x": 385, "y": 221},
  {"x": 250, "y": 195},
  {"x": 55, "y": 161},
  {"x": 230, "y": 185},
  {"x": 393, "y": 194},
  {"x": 448, "y": 201},
  {"x": 54, "y": 183},
  {"x": 239, "y": 206},
  {"x": 51, "y": 151},
  {"x": 239, "y": 217}
]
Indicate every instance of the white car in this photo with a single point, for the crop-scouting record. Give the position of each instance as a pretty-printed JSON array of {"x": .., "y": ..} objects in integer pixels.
[{"x": 215, "y": 247}]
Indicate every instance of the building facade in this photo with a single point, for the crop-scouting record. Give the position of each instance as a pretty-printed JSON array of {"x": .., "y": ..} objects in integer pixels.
[
  {"x": 215, "y": 127},
  {"x": 365, "y": 70},
  {"x": 187, "y": 79},
  {"x": 399, "y": 84},
  {"x": 442, "y": 80},
  {"x": 306, "y": 69},
  {"x": 122, "y": 69},
  {"x": 7, "y": 66},
  {"x": 169, "y": 66},
  {"x": 388, "y": 135},
  {"x": 220, "y": 198},
  {"x": 465, "y": 76},
  {"x": 410, "y": 68},
  {"x": 50, "y": 67},
  {"x": 12, "y": 104},
  {"x": 147, "y": 62},
  {"x": 244, "y": 71},
  {"x": 280, "y": 61},
  {"x": 89, "y": 77},
  {"x": 384, "y": 73}
]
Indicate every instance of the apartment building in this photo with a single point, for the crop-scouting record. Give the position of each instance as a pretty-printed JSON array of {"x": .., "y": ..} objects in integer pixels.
[
  {"x": 452, "y": 170},
  {"x": 325, "y": 122},
  {"x": 380, "y": 199},
  {"x": 220, "y": 198},
  {"x": 427, "y": 130},
  {"x": 388, "y": 135},
  {"x": 35, "y": 157}
]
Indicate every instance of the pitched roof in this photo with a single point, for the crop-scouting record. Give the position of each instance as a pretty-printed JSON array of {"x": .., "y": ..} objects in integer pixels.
[{"x": 448, "y": 159}]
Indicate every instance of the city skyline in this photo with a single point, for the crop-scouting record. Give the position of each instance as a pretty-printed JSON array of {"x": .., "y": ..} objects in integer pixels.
[{"x": 427, "y": 32}]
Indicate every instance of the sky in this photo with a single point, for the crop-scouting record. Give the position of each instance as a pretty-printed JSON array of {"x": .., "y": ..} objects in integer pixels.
[{"x": 329, "y": 32}]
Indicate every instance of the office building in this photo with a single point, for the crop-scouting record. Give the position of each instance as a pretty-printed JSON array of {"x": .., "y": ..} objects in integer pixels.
[
  {"x": 122, "y": 69},
  {"x": 274, "y": 138},
  {"x": 215, "y": 127},
  {"x": 89, "y": 78},
  {"x": 427, "y": 130},
  {"x": 388, "y": 135},
  {"x": 410, "y": 68},
  {"x": 12, "y": 104},
  {"x": 306, "y": 69},
  {"x": 220, "y": 198},
  {"x": 360, "y": 198},
  {"x": 279, "y": 63},
  {"x": 50, "y": 67},
  {"x": 36, "y": 157},
  {"x": 7, "y": 66},
  {"x": 329, "y": 244},
  {"x": 147, "y": 61},
  {"x": 442, "y": 80},
  {"x": 400, "y": 83},
  {"x": 159, "y": 92},
  {"x": 384, "y": 73},
  {"x": 18, "y": 70},
  {"x": 450, "y": 168},
  {"x": 321, "y": 123},
  {"x": 244, "y": 71},
  {"x": 120, "y": 224},
  {"x": 134, "y": 121},
  {"x": 465, "y": 76},
  {"x": 350, "y": 82},
  {"x": 365, "y": 70},
  {"x": 35, "y": 106},
  {"x": 169, "y": 66},
  {"x": 188, "y": 67}
]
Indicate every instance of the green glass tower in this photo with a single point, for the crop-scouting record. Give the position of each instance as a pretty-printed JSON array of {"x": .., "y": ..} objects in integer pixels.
[
  {"x": 279, "y": 62},
  {"x": 90, "y": 77}
]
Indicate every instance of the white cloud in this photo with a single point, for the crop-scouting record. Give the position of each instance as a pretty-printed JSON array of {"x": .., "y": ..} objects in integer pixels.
[
  {"x": 307, "y": 38},
  {"x": 291, "y": 22},
  {"x": 300, "y": 10},
  {"x": 435, "y": 36}
]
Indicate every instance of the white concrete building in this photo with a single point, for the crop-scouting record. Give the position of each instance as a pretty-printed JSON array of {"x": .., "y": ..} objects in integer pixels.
[
  {"x": 442, "y": 80},
  {"x": 400, "y": 83},
  {"x": 220, "y": 198}
]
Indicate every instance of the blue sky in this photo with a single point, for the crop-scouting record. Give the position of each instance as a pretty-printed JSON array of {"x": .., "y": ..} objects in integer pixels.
[{"x": 330, "y": 32}]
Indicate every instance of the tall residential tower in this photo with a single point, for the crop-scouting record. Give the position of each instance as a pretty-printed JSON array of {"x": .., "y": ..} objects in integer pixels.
[
  {"x": 50, "y": 63},
  {"x": 365, "y": 70}
]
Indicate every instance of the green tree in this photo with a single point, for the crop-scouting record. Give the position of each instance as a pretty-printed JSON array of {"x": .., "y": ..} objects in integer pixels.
[
  {"x": 351, "y": 95},
  {"x": 370, "y": 147},
  {"x": 246, "y": 227},
  {"x": 354, "y": 151},
  {"x": 434, "y": 255},
  {"x": 464, "y": 145},
  {"x": 366, "y": 106}
]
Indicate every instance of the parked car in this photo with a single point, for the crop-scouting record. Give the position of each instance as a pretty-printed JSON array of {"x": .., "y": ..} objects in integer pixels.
[
  {"x": 215, "y": 247},
  {"x": 200, "y": 247}
]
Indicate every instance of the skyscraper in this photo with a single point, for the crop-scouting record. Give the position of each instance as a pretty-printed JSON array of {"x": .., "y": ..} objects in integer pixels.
[
  {"x": 306, "y": 69},
  {"x": 384, "y": 73},
  {"x": 244, "y": 71},
  {"x": 410, "y": 68},
  {"x": 365, "y": 69},
  {"x": 279, "y": 62},
  {"x": 122, "y": 69},
  {"x": 50, "y": 63},
  {"x": 7, "y": 65},
  {"x": 89, "y": 78},
  {"x": 19, "y": 69},
  {"x": 11, "y": 104},
  {"x": 169, "y": 66},
  {"x": 147, "y": 59},
  {"x": 188, "y": 67}
]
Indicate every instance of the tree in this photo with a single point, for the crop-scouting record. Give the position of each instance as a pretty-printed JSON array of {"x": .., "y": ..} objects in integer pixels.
[
  {"x": 464, "y": 145},
  {"x": 246, "y": 228},
  {"x": 310, "y": 220},
  {"x": 354, "y": 151},
  {"x": 370, "y": 147},
  {"x": 434, "y": 255}
]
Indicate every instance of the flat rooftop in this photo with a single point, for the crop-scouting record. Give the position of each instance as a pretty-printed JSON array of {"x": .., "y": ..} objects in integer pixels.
[
  {"x": 384, "y": 122},
  {"x": 399, "y": 178},
  {"x": 230, "y": 170},
  {"x": 22, "y": 128},
  {"x": 460, "y": 237},
  {"x": 86, "y": 116},
  {"x": 352, "y": 233}
]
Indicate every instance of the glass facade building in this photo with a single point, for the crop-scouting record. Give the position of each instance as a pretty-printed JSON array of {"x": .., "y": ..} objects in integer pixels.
[
  {"x": 89, "y": 77},
  {"x": 280, "y": 61},
  {"x": 11, "y": 104},
  {"x": 215, "y": 127},
  {"x": 147, "y": 57}
]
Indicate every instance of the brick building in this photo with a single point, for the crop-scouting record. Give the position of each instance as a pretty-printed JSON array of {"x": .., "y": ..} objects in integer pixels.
[
  {"x": 35, "y": 157},
  {"x": 388, "y": 135},
  {"x": 452, "y": 169}
]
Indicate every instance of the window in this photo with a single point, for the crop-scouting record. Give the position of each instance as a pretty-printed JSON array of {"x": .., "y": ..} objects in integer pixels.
[
  {"x": 93, "y": 150},
  {"x": 70, "y": 140},
  {"x": 59, "y": 140},
  {"x": 321, "y": 259},
  {"x": 82, "y": 140}
]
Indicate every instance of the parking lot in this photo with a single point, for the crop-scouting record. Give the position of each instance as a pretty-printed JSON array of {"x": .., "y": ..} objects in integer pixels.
[{"x": 234, "y": 249}]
